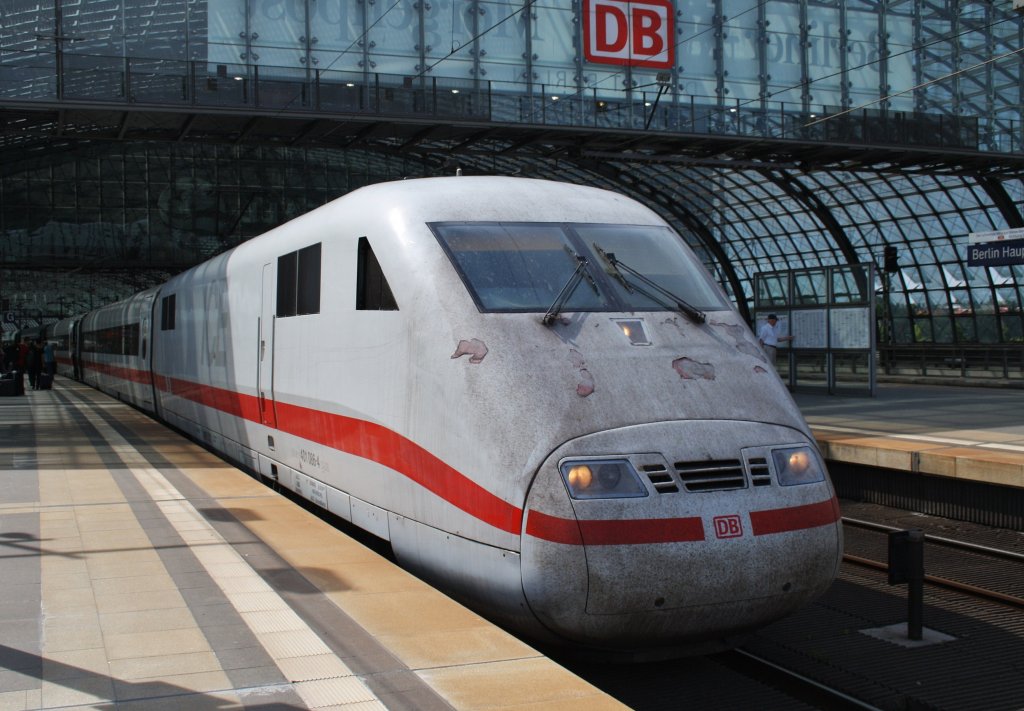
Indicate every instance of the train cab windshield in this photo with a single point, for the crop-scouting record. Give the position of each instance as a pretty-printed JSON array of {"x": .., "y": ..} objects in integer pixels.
[{"x": 524, "y": 267}]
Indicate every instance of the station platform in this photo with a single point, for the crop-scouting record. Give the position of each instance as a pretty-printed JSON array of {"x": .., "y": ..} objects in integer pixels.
[
  {"x": 141, "y": 571},
  {"x": 973, "y": 434},
  {"x": 138, "y": 570}
]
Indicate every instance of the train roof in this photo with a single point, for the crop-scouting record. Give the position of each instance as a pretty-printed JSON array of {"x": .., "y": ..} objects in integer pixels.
[{"x": 483, "y": 198}]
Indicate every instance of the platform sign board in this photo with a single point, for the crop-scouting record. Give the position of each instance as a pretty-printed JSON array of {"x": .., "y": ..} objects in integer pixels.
[
  {"x": 996, "y": 248},
  {"x": 812, "y": 325},
  {"x": 829, "y": 312},
  {"x": 849, "y": 328}
]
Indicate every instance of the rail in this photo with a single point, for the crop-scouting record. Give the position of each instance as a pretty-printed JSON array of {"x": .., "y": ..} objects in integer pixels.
[
  {"x": 71, "y": 77},
  {"x": 980, "y": 571}
]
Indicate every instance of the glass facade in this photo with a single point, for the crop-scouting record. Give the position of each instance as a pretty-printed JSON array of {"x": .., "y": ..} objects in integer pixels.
[
  {"x": 762, "y": 69},
  {"x": 85, "y": 227},
  {"x": 943, "y": 74}
]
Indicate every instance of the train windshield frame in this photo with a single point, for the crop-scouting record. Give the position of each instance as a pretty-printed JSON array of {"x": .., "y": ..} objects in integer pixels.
[{"x": 521, "y": 267}]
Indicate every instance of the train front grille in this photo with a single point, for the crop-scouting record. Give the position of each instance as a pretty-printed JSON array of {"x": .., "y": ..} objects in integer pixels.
[
  {"x": 661, "y": 478},
  {"x": 752, "y": 469},
  {"x": 712, "y": 475}
]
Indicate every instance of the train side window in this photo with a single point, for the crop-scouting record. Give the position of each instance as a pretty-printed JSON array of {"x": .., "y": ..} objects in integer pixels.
[
  {"x": 308, "y": 287},
  {"x": 372, "y": 290},
  {"x": 167, "y": 313},
  {"x": 130, "y": 339},
  {"x": 286, "y": 279},
  {"x": 298, "y": 282}
]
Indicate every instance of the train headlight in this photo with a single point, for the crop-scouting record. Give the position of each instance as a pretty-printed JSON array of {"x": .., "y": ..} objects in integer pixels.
[
  {"x": 797, "y": 465},
  {"x": 601, "y": 479},
  {"x": 579, "y": 477}
]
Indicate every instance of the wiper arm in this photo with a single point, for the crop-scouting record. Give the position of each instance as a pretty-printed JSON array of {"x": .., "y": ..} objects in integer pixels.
[
  {"x": 680, "y": 304},
  {"x": 567, "y": 290},
  {"x": 586, "y": 272}
]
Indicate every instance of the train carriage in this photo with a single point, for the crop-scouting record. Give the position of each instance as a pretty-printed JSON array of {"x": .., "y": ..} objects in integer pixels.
[
  {"x": 533, "y": 390},
  {"x": 64, "y": 334},
  {"x": 114, "y": 349}
]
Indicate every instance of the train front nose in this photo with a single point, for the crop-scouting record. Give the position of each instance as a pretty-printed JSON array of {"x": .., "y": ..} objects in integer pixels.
[{"x": 702, "y": 536}]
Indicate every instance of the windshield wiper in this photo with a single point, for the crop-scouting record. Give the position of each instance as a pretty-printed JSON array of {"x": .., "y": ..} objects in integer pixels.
[
  {"x": 570, "y": 286},
  {"x": 617, "y": 267}
]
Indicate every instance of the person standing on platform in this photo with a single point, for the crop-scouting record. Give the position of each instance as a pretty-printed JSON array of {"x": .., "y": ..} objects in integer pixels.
[
  {"x": 49, "y": 359},
  {"x": 33, "y": 363},
  {"x": 21, "y": 356},
  {"x": 768, "y": 336}
]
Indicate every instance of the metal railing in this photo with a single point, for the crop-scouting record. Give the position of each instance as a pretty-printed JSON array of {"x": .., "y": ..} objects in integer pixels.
[
  {"x": 982, "y": 362},
  {"x": 977, "y": 365},
  {"x": 71, "y": 77}
]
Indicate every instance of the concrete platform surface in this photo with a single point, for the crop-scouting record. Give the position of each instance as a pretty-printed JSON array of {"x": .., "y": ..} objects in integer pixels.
[
  {"x": 968, "y": 433},
  {"x": 139, "y": 571}
]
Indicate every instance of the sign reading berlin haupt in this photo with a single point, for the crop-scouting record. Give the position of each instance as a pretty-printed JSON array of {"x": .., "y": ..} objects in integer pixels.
[
  {"x": 998, "y": 248},
  {"x": 635, "y": 33}
]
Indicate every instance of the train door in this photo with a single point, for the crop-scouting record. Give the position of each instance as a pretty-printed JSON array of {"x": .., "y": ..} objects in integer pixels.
[
  {"x": 152, "y": 324},
  {"x": 76, "y": 354},
  {"x": 146, "y": 322},
  {"x": 265, "y": 377}
]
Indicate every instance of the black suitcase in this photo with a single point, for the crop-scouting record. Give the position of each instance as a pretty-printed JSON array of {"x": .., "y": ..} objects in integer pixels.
[
  {"x": 12, "y": 384},
  {"x": 44, "y": 381}
]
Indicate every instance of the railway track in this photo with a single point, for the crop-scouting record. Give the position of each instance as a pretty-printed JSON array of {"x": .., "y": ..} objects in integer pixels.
[
  {"x": 734, "y": 679},
  {"x": 984, "y": 571},
  {"x": 958, "y": 559},
  {"x": 800, "y": 688}
]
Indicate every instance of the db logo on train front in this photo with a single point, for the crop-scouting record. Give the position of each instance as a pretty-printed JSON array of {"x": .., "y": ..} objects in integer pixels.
[
  {"x": 728, "y": 526},
  {"x": 637, "y": 33}
]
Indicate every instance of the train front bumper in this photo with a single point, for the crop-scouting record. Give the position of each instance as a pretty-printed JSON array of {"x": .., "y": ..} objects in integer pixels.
[{"x": 717, "y": 542}]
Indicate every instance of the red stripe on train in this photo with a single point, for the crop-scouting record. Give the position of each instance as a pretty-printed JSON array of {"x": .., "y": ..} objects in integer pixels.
[
  {"x": 390, "y": 449},
  {"x": 553, "y": 529},
  {"x": 133, "y": 375},
  {"x": 362, "y": 439},
  {"x": 379, "y": 444},
  {"x": 795, "y": 518},
  {"x": 234, "y": 403},
  {"x": 614, "y": 532},
  {"x": 639, "y": 531}
]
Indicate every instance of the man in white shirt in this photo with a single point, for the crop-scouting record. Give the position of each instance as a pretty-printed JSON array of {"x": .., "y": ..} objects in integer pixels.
[{"x": 769, "y": 338}]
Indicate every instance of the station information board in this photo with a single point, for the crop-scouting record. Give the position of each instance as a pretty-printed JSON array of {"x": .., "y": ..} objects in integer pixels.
[
  {"x": 849, "y": 328},
  {"x": 812, "y": 325},
  {"x": 829, "y": 311}
]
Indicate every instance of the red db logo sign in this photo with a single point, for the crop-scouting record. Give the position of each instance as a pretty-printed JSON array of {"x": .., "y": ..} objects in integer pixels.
[
  {"x": 728, "y": 526},
  {"x": 637, "y": 33}
]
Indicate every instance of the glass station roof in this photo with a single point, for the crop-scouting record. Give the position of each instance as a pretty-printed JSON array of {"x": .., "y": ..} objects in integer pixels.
[{"x": 141, "y": 137}]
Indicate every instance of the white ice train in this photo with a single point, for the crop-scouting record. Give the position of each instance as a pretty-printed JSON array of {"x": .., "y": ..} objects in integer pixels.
[{"x": 533, "y": 390}]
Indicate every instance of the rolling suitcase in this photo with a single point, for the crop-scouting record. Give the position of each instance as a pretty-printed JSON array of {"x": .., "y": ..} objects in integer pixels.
[
  {"x": 12, "y": 384},
  {"x": 44, "y": 381}
]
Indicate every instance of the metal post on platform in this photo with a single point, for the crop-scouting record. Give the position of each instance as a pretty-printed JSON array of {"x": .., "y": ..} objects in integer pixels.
[
  {"x": 906, "y": 565},
  {"x": 915, "y": 608}
]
